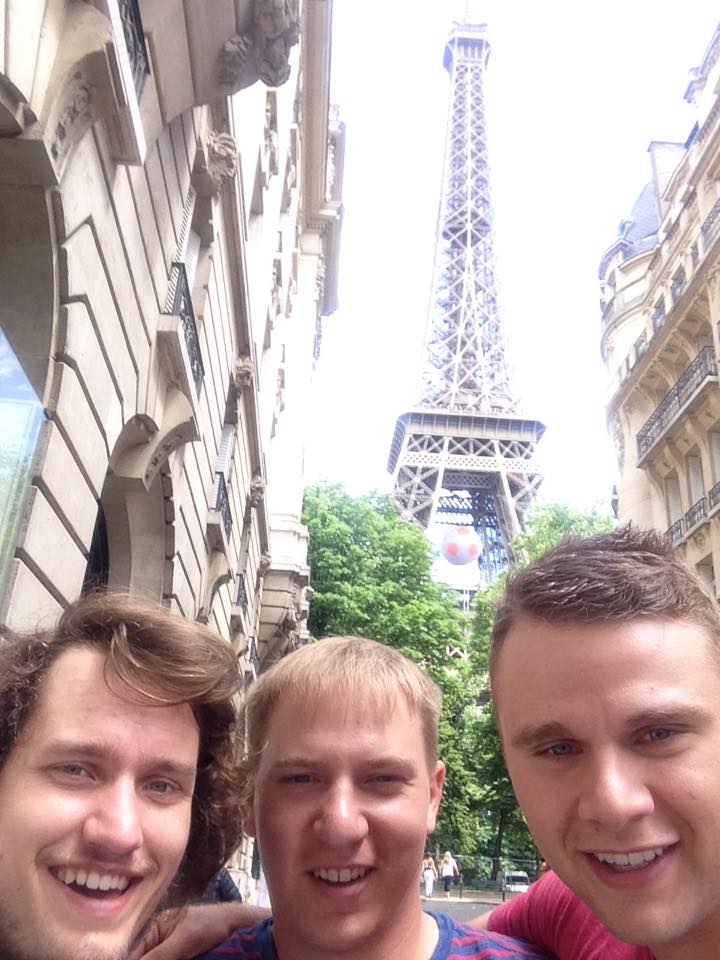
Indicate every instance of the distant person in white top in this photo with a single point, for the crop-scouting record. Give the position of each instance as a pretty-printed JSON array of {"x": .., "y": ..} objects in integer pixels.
[
  {"x": 448, "y": 871},
  {"x": 429, "y": 875}
]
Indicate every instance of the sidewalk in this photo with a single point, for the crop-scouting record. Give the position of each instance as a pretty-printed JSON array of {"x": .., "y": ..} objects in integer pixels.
[{"x": 468, "y": 896}]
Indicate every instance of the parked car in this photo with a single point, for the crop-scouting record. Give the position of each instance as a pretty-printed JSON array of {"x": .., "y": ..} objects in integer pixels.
[{"x": 514, "y": 881}]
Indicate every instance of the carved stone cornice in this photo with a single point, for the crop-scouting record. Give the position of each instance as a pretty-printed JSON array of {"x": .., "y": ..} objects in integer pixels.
[
  {"x": 243, "y": 373},
  {"x": 257, "y": 491},
  {"x": 263, "y": 51},
  {"x": 222, "y": 157}
]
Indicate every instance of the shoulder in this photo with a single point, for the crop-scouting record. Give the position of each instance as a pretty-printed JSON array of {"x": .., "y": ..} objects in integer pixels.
[
  {"x": 251, "y": 942},
  {"x": 456, "y": 941}
]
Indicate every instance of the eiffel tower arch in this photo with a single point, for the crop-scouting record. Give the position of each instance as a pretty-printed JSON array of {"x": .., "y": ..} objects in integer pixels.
[{"x": 464, "y": 455}]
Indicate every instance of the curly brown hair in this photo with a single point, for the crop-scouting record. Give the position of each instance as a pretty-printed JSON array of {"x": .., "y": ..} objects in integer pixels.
[
  {"x": 627, "y": 574},
  {"x": 157, "y": 658}
]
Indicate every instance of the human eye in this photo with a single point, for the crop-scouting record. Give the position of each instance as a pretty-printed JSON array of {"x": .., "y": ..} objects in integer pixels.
[
  {"x": 164, "y": 791},
  {"x": 659, "y": 735},
  {"x": 559, "y": 750},
  {"x": 298, "y": 778},
  {"x": 73, "y": 770}
]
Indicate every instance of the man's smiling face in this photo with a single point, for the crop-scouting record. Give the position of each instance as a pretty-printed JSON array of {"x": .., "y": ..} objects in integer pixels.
[
  {"x": 344, "y": 798},
  {"x": 95, "y": 804},
  {"x": 611, "y": 734}
]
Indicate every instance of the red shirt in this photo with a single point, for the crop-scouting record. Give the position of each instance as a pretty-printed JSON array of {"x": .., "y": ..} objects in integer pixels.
[{"x": 551, "y": 916}]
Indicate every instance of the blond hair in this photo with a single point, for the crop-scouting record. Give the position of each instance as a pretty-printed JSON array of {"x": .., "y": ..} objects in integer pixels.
[{"x": 342, "y": 669}]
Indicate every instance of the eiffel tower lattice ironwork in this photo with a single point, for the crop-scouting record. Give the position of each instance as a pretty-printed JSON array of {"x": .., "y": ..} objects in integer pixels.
[{"x": 464, "y": 455}]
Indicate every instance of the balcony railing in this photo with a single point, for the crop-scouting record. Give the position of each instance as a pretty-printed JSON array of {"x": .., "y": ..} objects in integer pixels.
[
  {"x": 135, "y": 43},
  {"x": 696, "y": 513},
  {"x": 711, "y": 226},
  {"x": 182, "y": 307},
  {"x": 222, "y": 504},
  {"x": 702, "y": 367},
  {"x": 676, "y": 532},
  {"x": 714, "y": 496}
]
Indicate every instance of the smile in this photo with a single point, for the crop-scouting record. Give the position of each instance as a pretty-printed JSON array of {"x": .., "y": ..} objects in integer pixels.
[
  {"x": 92, "y": 880},
  {"x": 634, "y": 860},
  {"x": 345, "y": 875}
]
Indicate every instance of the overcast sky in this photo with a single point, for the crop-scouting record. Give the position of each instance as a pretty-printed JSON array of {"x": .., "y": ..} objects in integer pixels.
[{"x": 575, "y": 93}]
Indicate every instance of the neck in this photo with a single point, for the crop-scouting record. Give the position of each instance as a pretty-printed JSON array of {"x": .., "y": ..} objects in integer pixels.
[
  {"x": 402, "y": 941},
  {"x": 696, "y": 946}
]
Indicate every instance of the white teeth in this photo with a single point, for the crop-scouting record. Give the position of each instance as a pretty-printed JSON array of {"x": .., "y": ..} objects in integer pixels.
[
  {"x": 345, "y": 875},
  {"x": 92, "y": 880},
  {"x": 634, "y": 860}
]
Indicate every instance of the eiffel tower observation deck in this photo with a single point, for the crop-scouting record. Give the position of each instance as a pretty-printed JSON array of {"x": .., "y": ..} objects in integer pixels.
[{"x": 465, "y": 455}]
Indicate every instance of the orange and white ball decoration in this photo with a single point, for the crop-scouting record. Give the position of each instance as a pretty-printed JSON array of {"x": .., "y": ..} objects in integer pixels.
[{"x": 460, "y": 545}]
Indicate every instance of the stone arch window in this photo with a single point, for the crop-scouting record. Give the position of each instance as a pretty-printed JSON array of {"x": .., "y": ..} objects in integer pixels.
[{"x": 21, "y": 417}]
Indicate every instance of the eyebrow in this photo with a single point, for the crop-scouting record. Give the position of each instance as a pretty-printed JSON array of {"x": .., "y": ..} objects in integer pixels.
[
  {"x": 302, "y": 761},
  {"x": 685, "y": 715},
  {"x": 96, "y": 750}
]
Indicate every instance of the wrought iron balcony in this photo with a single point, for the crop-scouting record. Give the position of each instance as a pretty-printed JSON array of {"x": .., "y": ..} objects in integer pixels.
[
  {"x": 711, "y": 226},
  {"x": 222, "y": 503},
  {"x": 676, "y": 532},
  {"x": 696, "y": 513},
  {"x": 182, "y": 307},
  {"x": 714, "y": 496},
  {"x": 702, "y": 367},
  {"x": 135, "y": 43}
]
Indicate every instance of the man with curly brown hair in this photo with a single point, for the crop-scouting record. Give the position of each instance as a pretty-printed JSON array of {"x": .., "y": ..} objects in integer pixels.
[{"x": 118, "y": 776}]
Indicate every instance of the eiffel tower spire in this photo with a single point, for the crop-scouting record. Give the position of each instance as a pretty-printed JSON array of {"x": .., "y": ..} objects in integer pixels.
[{"x": 464, "y": 455}]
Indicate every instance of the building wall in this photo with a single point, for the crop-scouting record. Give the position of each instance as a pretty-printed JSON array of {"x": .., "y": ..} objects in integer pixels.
[
  {"x": 151, "y": 434},
  {"x": 661, "y": 340}
]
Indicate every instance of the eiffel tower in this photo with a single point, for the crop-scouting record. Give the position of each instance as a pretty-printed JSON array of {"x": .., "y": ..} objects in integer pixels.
[{"x": 464, "y": 455}]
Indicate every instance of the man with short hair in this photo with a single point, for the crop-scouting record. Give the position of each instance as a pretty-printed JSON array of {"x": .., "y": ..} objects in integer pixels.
[
  {"x": 605, "y": 666},
  {"x": 118, "y": 776},
  {"x": 343, "y": 787}
]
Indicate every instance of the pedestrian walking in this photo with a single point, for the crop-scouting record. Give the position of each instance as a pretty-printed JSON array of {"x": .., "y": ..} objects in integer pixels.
[
  {"x": 448, "y": 871},
  {"x": 429, "y": 875}
]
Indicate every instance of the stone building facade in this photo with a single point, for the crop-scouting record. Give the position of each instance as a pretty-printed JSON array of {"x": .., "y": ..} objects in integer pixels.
[
  {"x": 661, "y": 340},
  {"x": 170, "y": 201}
]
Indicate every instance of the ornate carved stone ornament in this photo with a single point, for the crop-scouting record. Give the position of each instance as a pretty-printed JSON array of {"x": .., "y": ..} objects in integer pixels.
[
  {"x": 264, "y": 564},
  {"x": 320, "y": 279},
  {"x": 257, "y": 491},
  {"x": 619, "y": 441},
  {"x": 263, "y": 51},
  {"x": 243, "y": 373},
  {"x": 75, "y": 113},
  {"x": 222, "y": 154}
]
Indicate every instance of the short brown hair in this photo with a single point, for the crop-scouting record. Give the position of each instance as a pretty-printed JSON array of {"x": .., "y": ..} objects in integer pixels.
[
  {"x": 337, "y": 669},
  {"x": 623, "y": 575},
  {"x": 157, "y": 658}
]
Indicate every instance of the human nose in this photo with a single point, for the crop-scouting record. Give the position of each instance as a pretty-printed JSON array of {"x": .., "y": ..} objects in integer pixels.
[
  {"x": 341, "y": 818},
  {"x": 114, "y": 822},
  {"x": 614, "y": 792}
]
